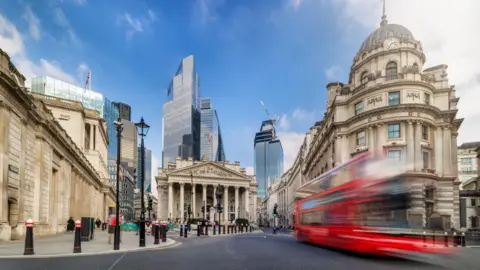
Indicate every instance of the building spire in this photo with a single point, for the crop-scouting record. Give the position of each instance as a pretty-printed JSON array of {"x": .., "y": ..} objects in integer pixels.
[{"x": 384, "y": 16}]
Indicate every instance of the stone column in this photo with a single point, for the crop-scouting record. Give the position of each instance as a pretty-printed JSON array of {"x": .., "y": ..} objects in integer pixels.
[
  {"x": 371, "y": 140},
  {"x": 204, "y": 200},
  {"x": 225, "y": 204},
  {"x": 247, "y": 203},
  {"x": 454, "y": 152},
  {"x": 439, "y": 151},
  {"x": 345, "y": 149},
  {"x": 4, "y": 158},
  {"x": 381, "y": 136},
  {"x": 447, "y": 151},
  {"x": 418, "y": 147},
  {"x": 214, "y": 197},
  {"x": 410, "y": 160},
  {"x": 182, "y": 200},
  {"x": 254, "y": 197},
  {"x": 170, "y": 200},
  {"x": 92, "y": 130},
  {"x": 236, "y": 203},
  {"x": 194, "y": 213}
]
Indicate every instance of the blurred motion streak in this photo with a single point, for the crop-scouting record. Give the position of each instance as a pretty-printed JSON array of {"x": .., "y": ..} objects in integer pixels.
[{"x": 361, "y": 206}]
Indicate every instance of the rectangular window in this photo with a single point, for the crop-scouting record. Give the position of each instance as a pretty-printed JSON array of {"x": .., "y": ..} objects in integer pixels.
[
  {"x": 473, "y": 202},
  {"x": 393, "y": 98},
  {"x": 393, "y": 131},
  {"x": 424, "y": 132},
  {"x": 426, "y": 160},
  {"x": 427, "y": 99},
  {"x": 358, "y": 108},
  {"x": 466, "y": 160},
  {"x": 395, "y": 154},
  {"x": 361, "y": 138}
]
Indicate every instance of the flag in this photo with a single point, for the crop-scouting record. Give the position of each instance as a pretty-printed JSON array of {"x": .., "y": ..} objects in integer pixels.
[{"x": 88, "y": 80}]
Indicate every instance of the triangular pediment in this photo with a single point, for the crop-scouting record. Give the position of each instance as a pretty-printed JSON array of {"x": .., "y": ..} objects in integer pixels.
[{"x": 209, "y": 169}]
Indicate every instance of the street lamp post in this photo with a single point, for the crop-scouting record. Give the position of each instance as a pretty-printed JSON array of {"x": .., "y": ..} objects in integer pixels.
[
  {"x": 142, "y": 129},
  {"x": 116, "y": 238}
]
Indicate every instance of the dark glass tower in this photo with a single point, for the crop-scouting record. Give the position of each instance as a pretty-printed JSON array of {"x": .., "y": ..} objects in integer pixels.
[
  {"x": 268, "y": 157},
  {"x": 124, "y": 110},
  {"x": 211, "y": 144},
  {"x": 181, "y": 115},
  {"x": 148, "y": 169}
]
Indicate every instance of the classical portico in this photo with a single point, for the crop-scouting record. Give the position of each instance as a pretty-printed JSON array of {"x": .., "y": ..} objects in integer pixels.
[{"x": 192, "y": 184}]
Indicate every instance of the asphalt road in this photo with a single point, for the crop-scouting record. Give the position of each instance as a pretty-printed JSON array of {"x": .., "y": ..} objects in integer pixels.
[{"x": 252, "y": 251}]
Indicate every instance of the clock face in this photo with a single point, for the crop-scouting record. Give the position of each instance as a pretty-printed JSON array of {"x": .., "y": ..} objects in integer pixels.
[{"x": 390, "y": 43}]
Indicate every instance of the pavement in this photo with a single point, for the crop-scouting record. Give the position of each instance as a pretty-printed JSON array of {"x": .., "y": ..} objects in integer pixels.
[
  {"x": 61, "y": 245},
  {"x": 244, "y": 251}
]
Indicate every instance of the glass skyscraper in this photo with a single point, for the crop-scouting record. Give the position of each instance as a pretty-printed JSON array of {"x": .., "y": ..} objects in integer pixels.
[
  {"x": 148, "y": 169},
  {"x": 181, "y": 115},
  {"x": 268, "y": 157},
  {"x": 90, "y": 100},
  {"x": 211, "y": 144}
]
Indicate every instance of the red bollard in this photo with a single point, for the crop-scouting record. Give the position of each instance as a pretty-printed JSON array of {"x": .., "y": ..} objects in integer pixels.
[
  {"x": 77, "y": 242},
  {"x": 29, "y": 238}
]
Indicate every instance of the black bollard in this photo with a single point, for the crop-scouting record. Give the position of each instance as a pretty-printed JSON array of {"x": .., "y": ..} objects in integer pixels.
[
  {"x": 77, "y": 242},
  {"x": 156, "y": 227},
  {"x": 223, "y": 229},
  {"x": 29, "y": 238},
  {"x": 446, "y": 239},
  {"x": 235, "y": 228},
  {"x": 185, "y": 228},
  {"x": 424, "y": 239},
  {"x": 163, "y": 231},
  {"x": 462, "y": 240},
  {"x": 181, "y": 230},
  {"x": 228, "y": 229},
  {"x": 206, "y": 230},
  {"x": 455, "y": 243}
]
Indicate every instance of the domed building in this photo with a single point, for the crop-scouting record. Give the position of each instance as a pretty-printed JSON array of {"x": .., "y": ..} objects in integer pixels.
[{"x": 394, "y": 106}]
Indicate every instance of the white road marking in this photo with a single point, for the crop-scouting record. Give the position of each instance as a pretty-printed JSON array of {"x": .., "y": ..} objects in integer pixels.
[{"x": 117, "y": 261}]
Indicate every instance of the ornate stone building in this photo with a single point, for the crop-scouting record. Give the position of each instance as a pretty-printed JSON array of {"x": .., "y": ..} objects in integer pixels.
[
  {"x": 179, "y": 184},
  {"x": 43, "y": 173},
  {"x": 393, "y": 106}
]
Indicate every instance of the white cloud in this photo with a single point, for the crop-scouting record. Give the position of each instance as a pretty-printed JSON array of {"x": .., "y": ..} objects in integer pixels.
[
  {"x": 155, "y": 165},
  {"x": 61, "y": 20},
  {"x": 447, "y": 31},
  {"x": 292, "y": 140},
  {"x": 137, "y": 24},
  {"x": 33, "y": 22},
  {"x": 12, "y": 43},
  {"x": 205, "y": 11},
  {"x": 82, "y": 69},
  {"x": 295, "y": 4},
  {"x": 334, "y": 73}
]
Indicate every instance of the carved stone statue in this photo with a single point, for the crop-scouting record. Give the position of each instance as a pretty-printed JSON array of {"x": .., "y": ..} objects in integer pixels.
[{"x": 219, "y": 192}]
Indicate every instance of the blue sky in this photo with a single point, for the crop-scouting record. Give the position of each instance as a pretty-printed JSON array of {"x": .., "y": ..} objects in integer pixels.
[{"x": 282, "y": 52}]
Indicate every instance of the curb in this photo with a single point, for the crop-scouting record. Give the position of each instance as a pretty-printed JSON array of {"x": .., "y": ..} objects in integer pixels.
[{"x": 67, "y": 255}]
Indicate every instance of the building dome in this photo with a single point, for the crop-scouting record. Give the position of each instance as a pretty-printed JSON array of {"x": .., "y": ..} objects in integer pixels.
[{"x": 386, "y": 30}]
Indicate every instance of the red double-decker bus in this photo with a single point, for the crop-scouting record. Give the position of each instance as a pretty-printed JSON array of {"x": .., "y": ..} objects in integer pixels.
[{"x": 359, "y": 206}]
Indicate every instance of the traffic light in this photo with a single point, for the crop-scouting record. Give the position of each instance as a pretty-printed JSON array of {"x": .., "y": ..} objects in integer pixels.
[
  {"x": 219, "y": 208},
  {"x": 275, "y": 210},
  {"x": 150, "y": 204}
]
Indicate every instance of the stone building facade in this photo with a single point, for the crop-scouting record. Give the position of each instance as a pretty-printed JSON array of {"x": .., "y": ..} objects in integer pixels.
[
  {"x": 179, "y": 184},
  {"x": 392, "y": 106},
  {"x": 43, "y": 173}
]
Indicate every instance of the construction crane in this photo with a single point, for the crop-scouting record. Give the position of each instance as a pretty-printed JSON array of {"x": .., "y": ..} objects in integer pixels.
[{"x": 273, "y": 117}]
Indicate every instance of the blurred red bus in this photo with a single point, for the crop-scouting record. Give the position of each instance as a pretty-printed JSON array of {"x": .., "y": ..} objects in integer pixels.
[{"x": 359, "y": 206}]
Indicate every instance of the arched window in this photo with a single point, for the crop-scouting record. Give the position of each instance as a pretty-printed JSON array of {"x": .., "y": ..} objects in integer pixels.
[
  {"x": 415, "y": 66},
  {"x": 364, "y": 77},
  {"x": 391, "y": 71}
]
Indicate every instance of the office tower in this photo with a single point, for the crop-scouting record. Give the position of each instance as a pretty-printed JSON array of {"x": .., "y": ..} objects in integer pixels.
[
  {"x": 211, "y": 144},
  {"x": 129, "y": 144},
  {"x": 181, "y": 115},
  {"x": 124, "y": 110},
  {"x": 148, "y": 169},
  {"x": 268, "y": 157}
]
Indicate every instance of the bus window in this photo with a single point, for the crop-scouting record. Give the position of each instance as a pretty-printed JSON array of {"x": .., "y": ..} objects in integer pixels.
[{"x": 312, "y": 218}]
